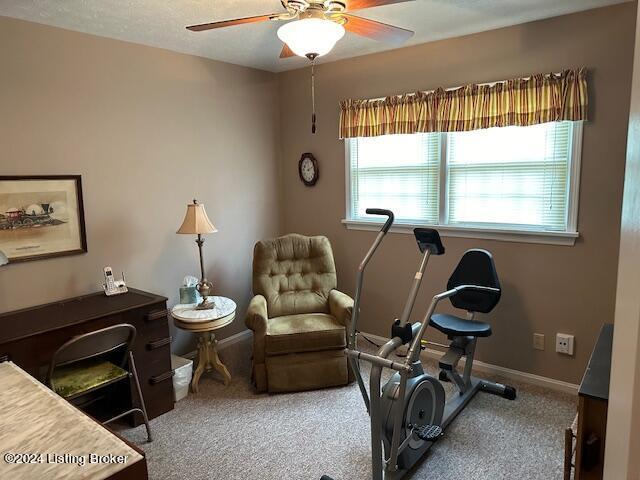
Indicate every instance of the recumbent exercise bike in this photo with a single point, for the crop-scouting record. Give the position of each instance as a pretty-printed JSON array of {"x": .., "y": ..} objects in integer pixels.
[{"x": 411, "y": 412}]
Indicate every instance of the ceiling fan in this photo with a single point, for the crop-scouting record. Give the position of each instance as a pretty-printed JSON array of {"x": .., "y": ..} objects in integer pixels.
[
  {"x": 317, "y": 25},
  {"x": 314, "y": 27}
]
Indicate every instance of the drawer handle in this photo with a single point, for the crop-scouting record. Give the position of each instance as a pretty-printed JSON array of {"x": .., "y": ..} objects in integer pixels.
[
  {"x": 162, "y": 377},
  {"x": 157, "y": 315},
  {"x": 159, "y": 343}
]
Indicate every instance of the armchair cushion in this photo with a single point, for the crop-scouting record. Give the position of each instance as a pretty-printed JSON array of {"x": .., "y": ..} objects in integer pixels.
[
  {"x": 294, "y": 273},
  {"x": 304, "y": 333}
]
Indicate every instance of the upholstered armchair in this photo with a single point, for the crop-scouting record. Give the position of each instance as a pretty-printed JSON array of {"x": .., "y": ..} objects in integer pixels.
[{"x": 298, "y": 317}]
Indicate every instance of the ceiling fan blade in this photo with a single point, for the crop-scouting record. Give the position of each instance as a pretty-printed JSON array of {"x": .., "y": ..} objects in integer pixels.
[
  {"x": 229, "y": 23},
  {"x": 376, "y": 30},
  {"x": 286, "y": 52},
  {"x": 359, "y": 4}
]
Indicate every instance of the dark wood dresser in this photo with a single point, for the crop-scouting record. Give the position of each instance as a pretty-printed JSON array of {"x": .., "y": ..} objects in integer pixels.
[
  {"x": 593, "y": 401},
  {"x": 29, "y": 337}
]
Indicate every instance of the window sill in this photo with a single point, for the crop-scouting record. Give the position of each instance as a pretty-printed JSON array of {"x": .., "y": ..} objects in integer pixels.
[{"x": 522, "y": 236}]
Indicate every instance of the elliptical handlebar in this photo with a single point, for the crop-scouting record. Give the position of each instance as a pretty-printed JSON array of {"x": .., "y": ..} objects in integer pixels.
[
  {"x": 353, "y": 325},
  {"x": 363, "y": 264},
  {"x": 382, "y": 212}
]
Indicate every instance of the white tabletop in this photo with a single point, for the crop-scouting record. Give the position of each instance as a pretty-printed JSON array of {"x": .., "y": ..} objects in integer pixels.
[
  {"x": 187, "y": 312},
  {"x": 35, "y": 420}
]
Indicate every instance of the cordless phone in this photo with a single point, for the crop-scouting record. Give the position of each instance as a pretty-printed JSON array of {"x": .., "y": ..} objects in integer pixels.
[{"x": 112, "y": 286}]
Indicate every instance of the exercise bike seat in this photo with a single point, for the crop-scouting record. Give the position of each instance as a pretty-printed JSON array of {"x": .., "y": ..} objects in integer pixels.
[{"x": 459, "y": 327}]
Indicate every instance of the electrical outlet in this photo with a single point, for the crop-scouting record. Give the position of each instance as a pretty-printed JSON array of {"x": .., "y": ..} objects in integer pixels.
[
  {"x": 564, "y": 343},
  {"x": 538, "y": 341}
]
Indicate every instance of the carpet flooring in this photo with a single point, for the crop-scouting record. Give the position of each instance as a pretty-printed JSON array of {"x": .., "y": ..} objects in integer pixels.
[{"x": 231, "y": 433}]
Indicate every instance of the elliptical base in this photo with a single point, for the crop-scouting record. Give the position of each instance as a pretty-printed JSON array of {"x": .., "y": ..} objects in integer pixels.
[{"x": 409, "y": 458}]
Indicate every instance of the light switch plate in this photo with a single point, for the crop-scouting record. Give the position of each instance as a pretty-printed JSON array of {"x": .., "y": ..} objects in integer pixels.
[{"x": 538, "y": 341}]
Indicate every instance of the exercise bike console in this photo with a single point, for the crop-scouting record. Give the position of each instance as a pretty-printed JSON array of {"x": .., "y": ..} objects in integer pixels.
[{"x": 429, "y": 239}]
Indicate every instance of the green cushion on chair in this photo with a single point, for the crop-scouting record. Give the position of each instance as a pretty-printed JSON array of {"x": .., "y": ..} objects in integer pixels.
[
  {"x": 307, "y": 332},
  {"x": 82, "y": 377}
]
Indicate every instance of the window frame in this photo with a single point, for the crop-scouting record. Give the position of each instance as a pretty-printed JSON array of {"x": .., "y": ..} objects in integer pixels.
[{"x": 567, "y": 237}]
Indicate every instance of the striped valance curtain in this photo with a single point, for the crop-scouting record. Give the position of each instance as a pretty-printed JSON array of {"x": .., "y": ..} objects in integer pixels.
[{"x": 523, "y": 101}]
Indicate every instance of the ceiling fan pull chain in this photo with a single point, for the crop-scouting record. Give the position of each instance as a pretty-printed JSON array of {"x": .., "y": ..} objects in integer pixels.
[{"x": 313, "y": 98}]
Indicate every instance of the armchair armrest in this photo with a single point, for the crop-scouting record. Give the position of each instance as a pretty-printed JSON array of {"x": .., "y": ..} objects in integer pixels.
[
  {"x": 256, "y": 318},
  {"x": 341, "y": 306}
]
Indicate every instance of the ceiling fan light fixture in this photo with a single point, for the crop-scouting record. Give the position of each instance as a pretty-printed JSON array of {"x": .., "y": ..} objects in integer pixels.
[{"x": 311, "y": 36}]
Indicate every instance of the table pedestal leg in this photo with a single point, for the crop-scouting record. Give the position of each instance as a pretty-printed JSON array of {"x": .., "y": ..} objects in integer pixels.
[{"x": 208, "y": 360}]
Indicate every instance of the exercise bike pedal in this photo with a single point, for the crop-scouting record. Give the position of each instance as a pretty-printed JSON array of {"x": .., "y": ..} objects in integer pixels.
[{"x": 429, "y": 433}]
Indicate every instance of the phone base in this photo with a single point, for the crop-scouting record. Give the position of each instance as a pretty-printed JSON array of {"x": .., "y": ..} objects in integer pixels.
[{"x": 120, "y": 288}]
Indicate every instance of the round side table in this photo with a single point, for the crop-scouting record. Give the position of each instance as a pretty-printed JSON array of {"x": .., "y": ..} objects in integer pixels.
[{"x": 204, "y": 322}]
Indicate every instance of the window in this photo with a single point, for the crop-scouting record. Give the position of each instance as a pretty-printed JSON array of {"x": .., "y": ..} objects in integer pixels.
[{"x": 516, "y": 180}]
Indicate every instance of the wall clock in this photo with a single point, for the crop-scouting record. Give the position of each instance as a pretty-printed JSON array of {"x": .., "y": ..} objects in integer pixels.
[{"x": 308, "y": 169}]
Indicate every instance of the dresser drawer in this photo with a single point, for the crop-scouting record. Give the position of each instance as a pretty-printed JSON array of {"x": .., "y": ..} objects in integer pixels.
[
  {"x": 159, "y": 343},
  {"x": 158, "y": 397},
  {"x": 156, "y": 315},
  {"x": 148, "y": 317},
  {"x": 153, "y": 341},
  {"x": 156, "y": 380},
  {"x": 161, "y": 377},
  {"x": 151, "y": 352}
]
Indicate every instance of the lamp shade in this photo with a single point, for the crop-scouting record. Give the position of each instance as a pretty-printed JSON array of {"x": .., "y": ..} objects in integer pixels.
[
  {"x": 3, "y": 258},
  {"x": 196, "y": 220},
  {"x": 311, "y": 36}
]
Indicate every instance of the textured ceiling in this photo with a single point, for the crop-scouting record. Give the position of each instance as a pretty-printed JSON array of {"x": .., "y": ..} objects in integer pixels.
[{"x": 162, "y": 23}]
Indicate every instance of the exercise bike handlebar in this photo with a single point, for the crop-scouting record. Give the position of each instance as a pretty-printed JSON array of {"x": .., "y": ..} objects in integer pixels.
[
  {"x": 379, "y": 361},
  {"x": 414, "y": 349},
  {"x": 381, "y": 211},
  {"x": 460, "y": 288},
  {"x": 360, "y": 278},
  {"x": 353, "y": 325}
]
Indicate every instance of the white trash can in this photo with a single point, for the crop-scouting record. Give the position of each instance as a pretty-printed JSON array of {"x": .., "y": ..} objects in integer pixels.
[{"x": 183, "y": 368}]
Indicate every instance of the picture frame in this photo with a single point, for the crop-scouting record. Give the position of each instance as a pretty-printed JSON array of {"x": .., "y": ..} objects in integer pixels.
[{"x": 41, "y": 216}]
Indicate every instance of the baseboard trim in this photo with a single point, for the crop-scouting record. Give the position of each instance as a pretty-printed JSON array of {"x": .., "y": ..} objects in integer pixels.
[
  {"x": 526, "y": 377},
  {"x": 224, "y": 343},
  {"x": 233, "y": 339}
]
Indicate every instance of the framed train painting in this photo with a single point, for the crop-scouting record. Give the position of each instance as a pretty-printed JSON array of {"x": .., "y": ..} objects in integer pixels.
[{"x": 41, "y": 217}]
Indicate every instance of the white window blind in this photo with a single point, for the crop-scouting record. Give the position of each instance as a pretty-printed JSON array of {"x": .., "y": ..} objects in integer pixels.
[
  {"x": 511, "y": 176},
  {"x": 399, "y": 172}
]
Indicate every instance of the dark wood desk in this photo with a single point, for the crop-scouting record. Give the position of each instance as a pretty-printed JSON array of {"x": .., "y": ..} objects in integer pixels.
[{"x": 29, "y": 337}]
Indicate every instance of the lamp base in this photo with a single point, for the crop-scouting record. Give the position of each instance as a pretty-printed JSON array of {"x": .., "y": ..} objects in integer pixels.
[
  {"x": 204, "y": 289},
  {"x": 205, "y": 305}
]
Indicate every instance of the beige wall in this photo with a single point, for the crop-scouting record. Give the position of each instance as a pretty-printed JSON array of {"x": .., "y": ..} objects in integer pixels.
[
  {"x": 547, "y": 289},
  {"x": 148, "y": 130},
  {"x": 623, "y": 418}
]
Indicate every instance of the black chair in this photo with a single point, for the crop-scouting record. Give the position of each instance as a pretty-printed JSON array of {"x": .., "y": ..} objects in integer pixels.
[
  {"x": 93, "y": 361},
  {"x": 476, "y": 271},
  {"x": 476, "y": 267}
]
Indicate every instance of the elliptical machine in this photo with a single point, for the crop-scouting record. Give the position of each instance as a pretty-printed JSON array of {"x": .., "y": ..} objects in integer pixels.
[{"x": 411, "y": 412}]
